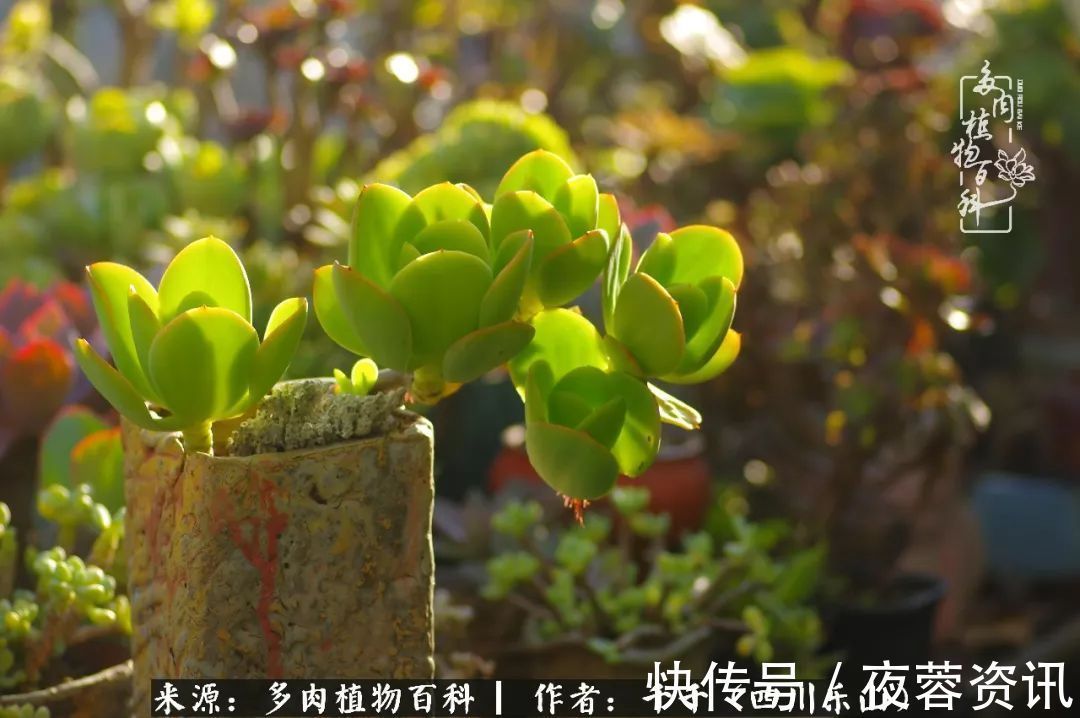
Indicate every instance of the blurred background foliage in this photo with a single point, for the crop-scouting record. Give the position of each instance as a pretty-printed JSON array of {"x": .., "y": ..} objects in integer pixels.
[{"x": 890, "y": 363}]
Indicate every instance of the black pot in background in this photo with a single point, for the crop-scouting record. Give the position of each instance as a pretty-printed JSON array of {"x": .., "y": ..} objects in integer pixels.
[{"x": 899, "y": 628}]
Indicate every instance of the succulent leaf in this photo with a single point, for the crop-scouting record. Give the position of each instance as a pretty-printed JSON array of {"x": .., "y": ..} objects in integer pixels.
[
  {"x": 331, "y": 314},
  {"x": 216, "y": 346},
  {"x": 110, "y": 286},
  {"x": 478, "y": 352},
  {"x": 578, "y": 201},
  {"x": 371, "y": 245},
  {"x": 648, "y": 323},
  {"x": 375, "y": 316},
  {"x": 501, "y": 300},
  {"x": 538, "y": 171},
  {"x": 571, "y": 269},
  {"x": 206, "y": 273},
  {"x": 440, "y": 294}
]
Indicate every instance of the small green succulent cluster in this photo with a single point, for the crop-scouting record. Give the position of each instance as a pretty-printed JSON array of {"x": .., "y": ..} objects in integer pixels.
[
  {"x": 24, "y": 711},
  {"x": 72, "y": 598},
  {"x": 186, "y": 353},
  {"x": 446, "y": 287},
  {"x": 585, "y": 583}
]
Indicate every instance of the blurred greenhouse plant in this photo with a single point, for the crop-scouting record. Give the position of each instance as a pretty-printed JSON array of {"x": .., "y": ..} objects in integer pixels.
[
  {"x": 445, "y": 287},
  {"x": 186, "y": 353},
  {"x": 74, "y": 599}
]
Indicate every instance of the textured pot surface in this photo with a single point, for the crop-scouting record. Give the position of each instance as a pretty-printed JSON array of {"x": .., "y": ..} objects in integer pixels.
[{"x": 305, "y": 563}]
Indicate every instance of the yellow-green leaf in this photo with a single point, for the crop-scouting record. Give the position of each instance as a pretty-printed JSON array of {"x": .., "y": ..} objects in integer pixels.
[{"x": 206, "y": 273}]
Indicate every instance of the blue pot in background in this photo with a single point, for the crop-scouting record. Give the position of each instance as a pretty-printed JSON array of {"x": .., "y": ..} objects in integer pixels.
[{"x": 1030, "y": 526}]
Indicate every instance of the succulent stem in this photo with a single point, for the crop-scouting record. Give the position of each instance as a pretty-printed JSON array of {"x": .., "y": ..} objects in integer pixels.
[{"x": 199, "y": 438}]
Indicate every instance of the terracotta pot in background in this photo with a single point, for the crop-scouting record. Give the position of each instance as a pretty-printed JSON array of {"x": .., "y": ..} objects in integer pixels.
[{"x": 679, "y": 482}]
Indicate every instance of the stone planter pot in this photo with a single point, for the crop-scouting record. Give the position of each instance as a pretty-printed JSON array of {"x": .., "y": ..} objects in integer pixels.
[
  {"x": 102, "y": 695},
  {"x": 312, "y": 562}
]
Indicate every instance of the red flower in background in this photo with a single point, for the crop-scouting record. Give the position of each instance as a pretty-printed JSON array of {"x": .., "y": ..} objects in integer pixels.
[{"x": 37, "y": 372}]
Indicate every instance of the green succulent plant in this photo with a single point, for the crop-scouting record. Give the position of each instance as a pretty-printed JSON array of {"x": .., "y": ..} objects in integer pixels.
[
  {"x": 672, "y": 315},
  {"x": 186, "y": 354},
  {"x": 73, "y": 597},
  {"x": 475, "y": 141},
  {"x": 614, "y": 586},
  {"x": 26, "y": 117},
  {"x": 207, "y": 177},
  {"x": 116, "y": 129},
  {"x": 446, "y": 287}
]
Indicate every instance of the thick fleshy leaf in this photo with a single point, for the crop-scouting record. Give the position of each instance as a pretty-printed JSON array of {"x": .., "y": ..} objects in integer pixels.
[
  {"x": 516, "y": 211},
  {"x": 647, "y": 322},
  {"x": 110, "y": 285},
  {"x": 69, "y": 428},
  {"x": 144, "y": 326},
  {"x": 477, "y": 353},
  {"x": 716, "y": 365},
  {"x": 206, "y": 273},
  {"x": 691, "y": 254},
  {"x": 201, "y": 363},
  {"x": 616, "y": 272},
  {"x": 607, "y": 215},
  {"x": 112, "y": 385},
  {"x": 674, "y": 410},
  {"x": 438, "y": 203},
  {"x": 578, "y": 201},
  {"x": 605, "y": 422},
  {"x": 570, "y": 461},
  {"x": 502, "y": 298},
  {"x": 456, "y": 234},
  {"x": 565, "y": 340},
  {"x": 693, "y": 305},
  {"x": 571, "y": 269},
  {"x": 282, "y": 336},
  {"x": 330, "y": 314},
  {"x": 378, "y": 320},
  {"x": 441, "y": 294},
  {"x": 537, "y": 389},
  {"x": 703, "y": 342},
  {"x": 540, "y": 171},
  {"x": 639, "y": 437},
  {"x": 373, "y": 245},
  {"x": 509, "y": 247}
]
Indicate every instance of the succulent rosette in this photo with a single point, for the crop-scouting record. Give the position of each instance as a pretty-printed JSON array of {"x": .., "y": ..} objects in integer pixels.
[
  {"x": 671, "y": 317},
  {"x": 425, "y": 292},
  {"x": 186, "y": 354},
  {"x": 586, "y": 422},
  {"x": 572, "y": 224}
]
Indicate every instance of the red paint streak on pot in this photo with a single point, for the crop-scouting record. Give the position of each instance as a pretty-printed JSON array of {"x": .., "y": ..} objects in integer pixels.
[{"x": 272, "y": 524}]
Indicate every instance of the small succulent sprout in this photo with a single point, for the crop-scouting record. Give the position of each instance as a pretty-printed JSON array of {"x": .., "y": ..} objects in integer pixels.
[
  {"x": 425, "y": 291},
  {"x": 671, "y": 317},
  {"x": 571, "y": 222},
  {"x": 360, "y": 381},
  {"x": 186, "y": 354}
]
